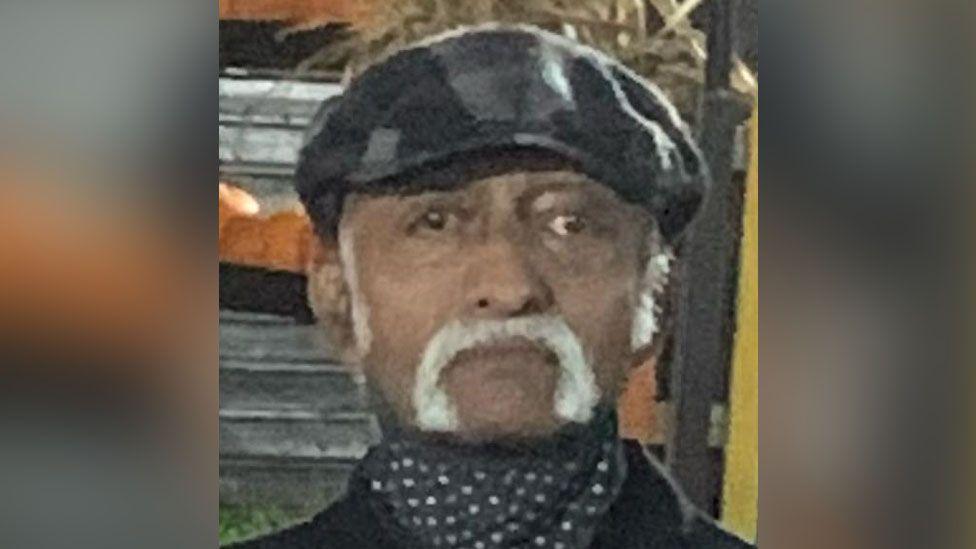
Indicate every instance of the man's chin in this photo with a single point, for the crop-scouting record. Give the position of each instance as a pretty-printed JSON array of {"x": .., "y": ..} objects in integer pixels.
[
  {"x": 490, "y": 406},
  {"x": 484, "y": 430}
]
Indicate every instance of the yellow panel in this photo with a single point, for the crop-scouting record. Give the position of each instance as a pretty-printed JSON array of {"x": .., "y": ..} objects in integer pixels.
[{"x": 740, "y": 503}]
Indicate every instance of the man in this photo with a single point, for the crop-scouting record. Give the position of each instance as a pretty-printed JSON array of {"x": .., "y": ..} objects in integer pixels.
[{"x": 504, "y": 203}]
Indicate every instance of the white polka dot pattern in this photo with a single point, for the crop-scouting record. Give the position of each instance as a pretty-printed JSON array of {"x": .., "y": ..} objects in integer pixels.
[{"x": 523, "y": 501}]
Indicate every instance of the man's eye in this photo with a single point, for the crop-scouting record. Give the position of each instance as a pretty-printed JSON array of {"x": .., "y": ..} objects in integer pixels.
[
  {"x": 565, "y": 225},
  {"x": 433, "y": 220}
]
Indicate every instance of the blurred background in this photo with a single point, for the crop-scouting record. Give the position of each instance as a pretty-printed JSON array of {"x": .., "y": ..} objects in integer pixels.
[{"x": 110, "y": 413}]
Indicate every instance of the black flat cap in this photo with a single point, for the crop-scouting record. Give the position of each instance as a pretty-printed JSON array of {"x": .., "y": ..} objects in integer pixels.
[{"x": 496, "y": 88}]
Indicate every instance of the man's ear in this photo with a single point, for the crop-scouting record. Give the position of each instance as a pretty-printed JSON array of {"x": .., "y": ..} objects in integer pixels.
[
  {"x": 329, "y": 297},
  {"x": 652, "y": 315}
]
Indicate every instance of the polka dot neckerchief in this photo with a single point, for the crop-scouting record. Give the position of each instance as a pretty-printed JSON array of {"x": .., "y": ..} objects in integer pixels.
[{"x": 456, "y": 497}]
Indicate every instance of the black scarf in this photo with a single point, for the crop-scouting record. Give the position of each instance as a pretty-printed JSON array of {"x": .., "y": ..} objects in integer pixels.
[{"x": 547, "y": 495}]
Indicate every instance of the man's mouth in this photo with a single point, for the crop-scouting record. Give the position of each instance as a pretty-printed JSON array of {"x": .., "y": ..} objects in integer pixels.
[{"x": 505, "y": 351}]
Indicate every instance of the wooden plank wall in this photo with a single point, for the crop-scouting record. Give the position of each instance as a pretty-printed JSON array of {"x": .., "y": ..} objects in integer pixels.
[{"x": 292, "y": 418}]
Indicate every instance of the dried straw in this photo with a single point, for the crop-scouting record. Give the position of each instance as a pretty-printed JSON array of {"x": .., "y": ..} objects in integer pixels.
[{"x": 653, "y": 37}]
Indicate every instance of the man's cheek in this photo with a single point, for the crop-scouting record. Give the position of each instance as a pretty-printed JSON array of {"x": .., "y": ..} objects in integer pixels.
[
  {"x": 394, "y": 379},
  {"x": 599, "y": 315},
  {"x": 417, "y": 299},
  {"x": 400, "y": 336},
  {"x": 605, "y": 336}
]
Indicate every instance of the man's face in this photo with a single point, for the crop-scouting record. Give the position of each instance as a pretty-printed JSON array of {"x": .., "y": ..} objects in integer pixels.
[{"x": 522, "y": 249}]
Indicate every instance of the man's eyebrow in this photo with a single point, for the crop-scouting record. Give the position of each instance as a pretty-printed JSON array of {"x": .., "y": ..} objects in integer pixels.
[
  {"x": 447, "y": 199},
  {"x": 417, "y": 187},
  {"x": 535, "y": 198}
]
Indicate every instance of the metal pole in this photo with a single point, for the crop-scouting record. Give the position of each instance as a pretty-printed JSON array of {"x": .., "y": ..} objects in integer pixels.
[{"x": 705, "y": 322}]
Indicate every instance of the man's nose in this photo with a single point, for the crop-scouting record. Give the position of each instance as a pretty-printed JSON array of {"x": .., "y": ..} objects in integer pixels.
[{"x": 503, "y": 283}]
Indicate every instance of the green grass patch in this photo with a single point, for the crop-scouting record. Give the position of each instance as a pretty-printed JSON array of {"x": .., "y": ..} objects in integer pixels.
[{"x": 242, "y": 522}]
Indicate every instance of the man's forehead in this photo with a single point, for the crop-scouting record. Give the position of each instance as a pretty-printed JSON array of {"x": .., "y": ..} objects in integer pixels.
[
  {"x": 515, "y": 184},
  {"x": 512, "y": 186}
]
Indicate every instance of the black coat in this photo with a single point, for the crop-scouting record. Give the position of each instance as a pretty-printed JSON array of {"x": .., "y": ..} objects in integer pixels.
[{"x": 648, "y": 514}]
